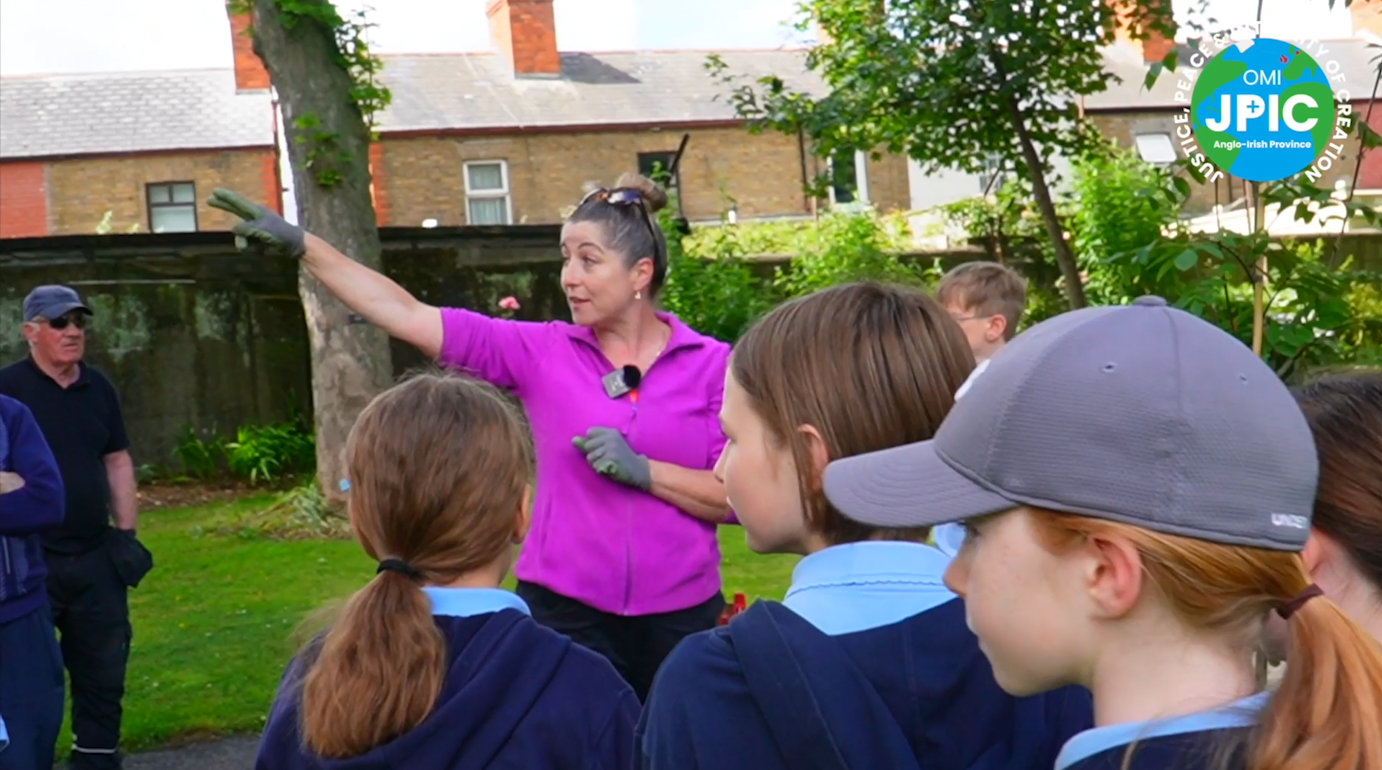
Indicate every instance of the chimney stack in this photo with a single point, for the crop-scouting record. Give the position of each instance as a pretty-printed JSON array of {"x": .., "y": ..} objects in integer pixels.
[
  {"x": 1367, "y": 17},
  {"x": 1154, "y": 46},
  {"x": 250, "y": 74},
  {"x": 525, "y": 31}
]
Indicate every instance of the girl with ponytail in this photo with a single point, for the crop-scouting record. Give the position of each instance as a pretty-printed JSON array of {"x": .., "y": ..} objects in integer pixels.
[
  {"x": 1344, "y": 554},
  {"x": 1137, "y": 488},
  {"x": 431, "y": 665}
]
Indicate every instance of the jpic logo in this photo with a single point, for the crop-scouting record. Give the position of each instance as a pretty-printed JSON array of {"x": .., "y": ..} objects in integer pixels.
[{"x": 1262, "y": 110}]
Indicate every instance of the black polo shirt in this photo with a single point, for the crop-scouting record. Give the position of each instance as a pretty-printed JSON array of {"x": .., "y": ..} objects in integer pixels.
[{"x": 82, "y": 424}]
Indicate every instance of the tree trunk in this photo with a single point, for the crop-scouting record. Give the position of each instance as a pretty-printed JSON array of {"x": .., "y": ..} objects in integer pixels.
[
  {"x": 326, "y": 134},
  {"x": 1065, "y": 257}
]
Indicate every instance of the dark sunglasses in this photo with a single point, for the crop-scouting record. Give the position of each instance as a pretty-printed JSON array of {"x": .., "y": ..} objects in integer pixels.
[
  {"x": 624, "y": 196},
  {"x": 78, "y": 321}
]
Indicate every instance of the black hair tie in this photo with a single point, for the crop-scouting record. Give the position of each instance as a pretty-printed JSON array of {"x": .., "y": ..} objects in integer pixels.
[
  {"x": 399, "y": 566},
  {"x": 1287, "y": 609}
]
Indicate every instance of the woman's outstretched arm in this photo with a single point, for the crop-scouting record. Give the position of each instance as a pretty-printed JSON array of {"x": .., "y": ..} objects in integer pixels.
[
  {"x": 375, "y": 296},
  {"x": 367, "y": 292}
]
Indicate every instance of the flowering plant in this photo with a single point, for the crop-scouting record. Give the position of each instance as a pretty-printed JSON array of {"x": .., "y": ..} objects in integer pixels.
[{"x": 507, "y": 306}]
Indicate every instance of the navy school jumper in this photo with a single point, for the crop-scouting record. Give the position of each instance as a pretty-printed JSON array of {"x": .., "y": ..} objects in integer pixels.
[
  {"x": 1205, "y": 740},
  {"x": 517, "y": 696},
  {"x": 770, "y": 691}
]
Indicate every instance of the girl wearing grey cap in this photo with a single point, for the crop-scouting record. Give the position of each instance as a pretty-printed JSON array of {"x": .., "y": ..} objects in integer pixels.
[{"x": 1137, "y": 487}]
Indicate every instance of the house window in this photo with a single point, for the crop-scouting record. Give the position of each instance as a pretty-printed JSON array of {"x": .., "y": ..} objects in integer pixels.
[
  {"x": 849, "y": 184},
  {"x": 991, "y": 178},
  {"x": 172, "y": 207},
  {"x": 487, "y": 193},
  {"x": 657, "y": 166},
  {"x": 1156, "y": 148}
]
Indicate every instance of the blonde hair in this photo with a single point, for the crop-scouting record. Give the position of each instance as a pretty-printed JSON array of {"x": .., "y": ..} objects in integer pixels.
[{"x": 986, "y": 288}]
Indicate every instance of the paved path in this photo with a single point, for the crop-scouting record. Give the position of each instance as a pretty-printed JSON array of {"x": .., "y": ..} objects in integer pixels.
[{"x": 235, "y": 753}]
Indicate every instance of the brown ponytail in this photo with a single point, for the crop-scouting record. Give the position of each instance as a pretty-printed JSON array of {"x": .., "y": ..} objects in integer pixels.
[
  {"x": 438, "y": 469},
  {"x": 1327, "y": 712}
]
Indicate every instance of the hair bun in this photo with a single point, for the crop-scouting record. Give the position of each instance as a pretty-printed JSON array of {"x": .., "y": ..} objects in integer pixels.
[{"x": 653, "y": 195}]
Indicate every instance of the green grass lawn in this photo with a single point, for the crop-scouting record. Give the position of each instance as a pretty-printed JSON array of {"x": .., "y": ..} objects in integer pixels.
[{"x": 214, "y": 622}]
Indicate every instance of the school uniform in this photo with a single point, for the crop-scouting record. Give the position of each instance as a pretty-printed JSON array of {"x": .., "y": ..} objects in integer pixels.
[
  {"x": 1206, "y": 740},
  {"x": 517, "y": 696},
  {"x": 867, "y": 663}
]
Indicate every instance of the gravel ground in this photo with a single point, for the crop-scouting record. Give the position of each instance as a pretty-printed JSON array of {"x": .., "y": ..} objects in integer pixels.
[{"x": 225, "y": 754}]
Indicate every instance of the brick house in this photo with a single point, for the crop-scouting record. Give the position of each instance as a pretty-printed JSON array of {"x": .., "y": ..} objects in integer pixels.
[
  {"x": 1138, "y": 118},
  {"x": 509, "y": 137}
]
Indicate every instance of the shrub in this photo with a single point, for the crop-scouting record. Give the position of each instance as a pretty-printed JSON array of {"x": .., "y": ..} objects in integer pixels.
[
  {"x": 198, "y": 457},
  {"x": 270, "y": 452}
]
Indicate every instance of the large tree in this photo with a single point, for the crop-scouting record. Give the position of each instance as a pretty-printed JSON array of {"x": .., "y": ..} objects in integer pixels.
[
  {"x": 956, "y": 84},
  {"x": 323, "y": 75}
]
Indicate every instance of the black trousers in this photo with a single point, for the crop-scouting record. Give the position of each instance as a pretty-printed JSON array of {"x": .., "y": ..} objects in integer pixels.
[
  {"x": 636, "y": 645},
  {"x": 92, "y": 615}
]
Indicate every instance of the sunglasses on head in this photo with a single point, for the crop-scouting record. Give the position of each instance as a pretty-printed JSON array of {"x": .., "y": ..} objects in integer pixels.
[
  {"x": 78, "y": 321},
  {"x": 624, "y": 196}
]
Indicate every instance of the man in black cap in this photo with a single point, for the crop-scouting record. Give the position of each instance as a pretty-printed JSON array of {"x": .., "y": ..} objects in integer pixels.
[{"x": 91, "y": 565}]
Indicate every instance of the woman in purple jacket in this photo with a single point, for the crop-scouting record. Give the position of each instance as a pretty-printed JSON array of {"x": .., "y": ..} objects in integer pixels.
[{"x": 623, "y": 404}]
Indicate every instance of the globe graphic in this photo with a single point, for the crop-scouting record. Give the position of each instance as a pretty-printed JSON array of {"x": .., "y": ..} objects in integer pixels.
[{"x": 1263, "y": 110}]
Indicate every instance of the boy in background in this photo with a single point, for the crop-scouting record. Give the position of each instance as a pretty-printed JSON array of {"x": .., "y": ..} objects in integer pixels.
[{"x": 986, "y": 299}]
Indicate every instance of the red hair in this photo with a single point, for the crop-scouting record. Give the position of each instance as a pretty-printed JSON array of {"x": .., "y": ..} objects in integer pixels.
[{"x": 1327, "y": 711}]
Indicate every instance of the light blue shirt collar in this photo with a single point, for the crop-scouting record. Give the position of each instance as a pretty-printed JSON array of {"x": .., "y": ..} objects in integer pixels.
[
  {"x": 465, "y": 602},
  {"x": 859, "y": 586},
  {"x": 1240, "y": 713}
]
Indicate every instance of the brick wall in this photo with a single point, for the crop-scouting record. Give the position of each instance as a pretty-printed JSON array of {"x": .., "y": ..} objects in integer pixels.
[
  {"x": 23, "y": 199},
  {"x": 1370, "y": 175},
  {"x": 889, "y": 188},
  {"x": 1122, "y": 127},
  {"x": 423, "y": 177},
  {"x": 83, "y": 190}
]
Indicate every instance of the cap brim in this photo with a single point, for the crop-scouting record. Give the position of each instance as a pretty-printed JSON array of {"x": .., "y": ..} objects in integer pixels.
[
  {"x": 907, "y": 486},
  {"x": 60, "y": 310}
]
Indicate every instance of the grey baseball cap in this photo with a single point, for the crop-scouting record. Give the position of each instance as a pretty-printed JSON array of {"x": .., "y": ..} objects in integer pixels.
[
  {"x": 53, "y": 302},
  {"x": 1142, "y": 414}
]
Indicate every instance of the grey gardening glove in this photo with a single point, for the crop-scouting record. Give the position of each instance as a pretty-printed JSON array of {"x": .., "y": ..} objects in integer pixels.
[
  {"x": 261, "y": 226},
  {"x": 610, "y": 455}
]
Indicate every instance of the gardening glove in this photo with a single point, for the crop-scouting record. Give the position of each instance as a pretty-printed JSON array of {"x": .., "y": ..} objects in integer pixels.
[
  {"x": 261, "y": 226},
  {"x": 610, "y": 455}
]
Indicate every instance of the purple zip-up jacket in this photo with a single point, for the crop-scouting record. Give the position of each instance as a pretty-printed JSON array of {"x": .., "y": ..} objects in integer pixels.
[
  {"x": 608, "y": 545},
  {"x": 38, "y": 505}
]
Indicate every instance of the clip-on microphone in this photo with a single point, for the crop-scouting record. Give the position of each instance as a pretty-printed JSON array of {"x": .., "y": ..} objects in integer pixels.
[{"x": 621, "y": 381}]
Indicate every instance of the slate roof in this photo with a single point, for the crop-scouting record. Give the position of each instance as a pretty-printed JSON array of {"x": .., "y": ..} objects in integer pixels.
[
  {"x": 130, "y": 112},
  {"x": 45, "y": 116},
  {"x": 478, "y": 91},
  {"x": 1354, "y": 57}
]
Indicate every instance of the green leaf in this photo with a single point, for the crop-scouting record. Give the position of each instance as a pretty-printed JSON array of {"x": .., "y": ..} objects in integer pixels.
[
  {"x": 1211, "y": 249},
  {"x": 1371, "y": 139},
  {"x": 1152, "y": 73},
  {"x": 1182, "y": 186},
  {"x": 1187, "y": 259}
]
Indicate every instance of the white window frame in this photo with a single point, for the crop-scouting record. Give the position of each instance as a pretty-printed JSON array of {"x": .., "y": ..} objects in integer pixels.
[
  {"x": 168, "y": 187},
  {"x": 1170, "y": 142},
  {"x": 504, "y": 192},
  {"x": 861, "y": 182}
]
